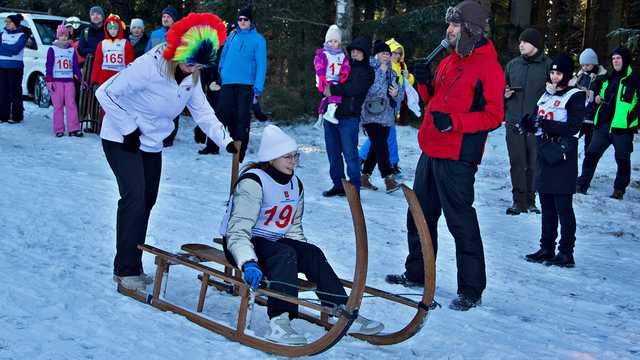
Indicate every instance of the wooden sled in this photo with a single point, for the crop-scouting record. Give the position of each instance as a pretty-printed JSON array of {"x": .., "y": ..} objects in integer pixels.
[{"x": 230, "y": 280}]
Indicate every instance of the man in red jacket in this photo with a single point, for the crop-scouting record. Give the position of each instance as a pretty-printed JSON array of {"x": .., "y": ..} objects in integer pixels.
[{"x": 465, "y": 102}]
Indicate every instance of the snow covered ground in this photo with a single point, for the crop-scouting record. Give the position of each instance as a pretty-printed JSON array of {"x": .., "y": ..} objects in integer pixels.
[{"x": 57, "y": 300}]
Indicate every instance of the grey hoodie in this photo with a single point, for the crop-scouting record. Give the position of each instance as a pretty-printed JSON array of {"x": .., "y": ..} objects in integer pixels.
[{"x": 380, "y": 90}]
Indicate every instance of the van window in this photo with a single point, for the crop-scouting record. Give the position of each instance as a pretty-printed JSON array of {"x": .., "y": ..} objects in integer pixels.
[{"x": 47, "y": 30}]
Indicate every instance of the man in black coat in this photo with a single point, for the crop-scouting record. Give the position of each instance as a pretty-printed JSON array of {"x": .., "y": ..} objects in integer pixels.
[
  {"x": 342, "y": 138},
  {"x": 93, "y": 34}
]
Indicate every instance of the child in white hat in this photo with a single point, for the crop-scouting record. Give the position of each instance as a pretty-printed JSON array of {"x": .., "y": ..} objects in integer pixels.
[
  {"x": 263, "y": 236},
  {"x": 332, "y": 67}
]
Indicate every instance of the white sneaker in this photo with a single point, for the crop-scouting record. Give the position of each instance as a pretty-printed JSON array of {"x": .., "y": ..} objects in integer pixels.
[
  {"x": 131, "y": 282},
  {"x": 364, "y": 326},
  {"x": 146, "y": 279},
  {"x": 330, "y": 114},
  {"x": 280, "y": 331}
]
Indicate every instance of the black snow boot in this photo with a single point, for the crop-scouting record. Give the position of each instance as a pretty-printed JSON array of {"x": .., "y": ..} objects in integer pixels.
[
  {"x": 464, "y": 303},
  {"x": 519, "y": 205},
  {"x": 532, "y": 204},
  {"x": 401, "y": 279},
  {"x": 334, "y": 191},
  {"x": 540, "y": 256},
  {"x": 581, "y": 189},
  {"x": 561, "y": 259},
  {"x": 617, "y": 194}
]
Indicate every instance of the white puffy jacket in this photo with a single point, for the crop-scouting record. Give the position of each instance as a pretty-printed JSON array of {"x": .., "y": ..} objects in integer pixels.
[{"x": 142, "y": 96}]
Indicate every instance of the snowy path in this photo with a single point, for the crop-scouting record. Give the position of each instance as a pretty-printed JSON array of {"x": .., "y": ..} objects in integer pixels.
[{"x": 57, "y": 209}]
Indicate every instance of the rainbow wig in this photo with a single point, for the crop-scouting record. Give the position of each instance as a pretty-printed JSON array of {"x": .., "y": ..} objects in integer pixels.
[{"x": 195, "y": 39}]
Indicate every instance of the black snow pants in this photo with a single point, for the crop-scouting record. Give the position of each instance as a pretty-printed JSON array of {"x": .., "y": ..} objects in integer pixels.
[
  {"x": 11, "y": 107},
  {"x": 234, "y": 111}
]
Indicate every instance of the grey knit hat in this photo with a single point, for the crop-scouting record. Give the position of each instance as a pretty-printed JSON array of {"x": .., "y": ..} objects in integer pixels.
[
  {"x": 96, "y": 9},
  {"x": 588, "y": 56}
]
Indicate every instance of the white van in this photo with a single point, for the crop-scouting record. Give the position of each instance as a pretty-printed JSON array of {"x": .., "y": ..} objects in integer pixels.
[{"x": 41, "y": 34}]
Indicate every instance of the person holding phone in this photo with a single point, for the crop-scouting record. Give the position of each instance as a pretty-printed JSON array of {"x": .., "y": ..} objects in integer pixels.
[{"x": 526, "y": 77}]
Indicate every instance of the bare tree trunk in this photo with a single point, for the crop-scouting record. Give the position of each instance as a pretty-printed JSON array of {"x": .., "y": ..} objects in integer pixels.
[
  {"x": 344, "y": 18},
  {"x": 521, "y": 13}
]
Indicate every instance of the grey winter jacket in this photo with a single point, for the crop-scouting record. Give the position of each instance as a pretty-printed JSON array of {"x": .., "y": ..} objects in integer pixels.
[
  {"x": 530, "y": 74},
  {"x": 591, "y": 82},
  {"x": 380, "y": 90}
]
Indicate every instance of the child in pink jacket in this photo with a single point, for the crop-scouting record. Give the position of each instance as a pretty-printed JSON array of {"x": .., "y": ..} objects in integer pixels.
[
  {"x": 62, "y": 69},
  {"x": 332, "y": 67}
]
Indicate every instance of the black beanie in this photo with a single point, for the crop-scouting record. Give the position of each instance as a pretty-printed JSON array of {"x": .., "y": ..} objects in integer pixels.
[
  {"x": 171, "y": 11},
  {"x": 564, "y": 64},
  {"x": 625, "y": 54},
  {"x": 380, "y": 46},
  {"x": 16, "y": 19},
  {"x": 246, "y": 12},
  {"x": 533, "y": 37}
]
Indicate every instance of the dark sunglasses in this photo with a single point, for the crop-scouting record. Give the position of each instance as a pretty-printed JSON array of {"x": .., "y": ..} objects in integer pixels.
[{"x": 242, "y": 19}]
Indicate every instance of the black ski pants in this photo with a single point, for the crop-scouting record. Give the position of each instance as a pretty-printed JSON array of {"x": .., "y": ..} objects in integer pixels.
[
  {"x": 11, "y": 107},
  {"x": 379, "y": 151},
  {"x": 234, "y": 111},
  {"x": 522, "y": 158},
  {"x": 623, "y": 146},
  {"x": 446, "y": 186},
  {"x": 282, "y": 260},
  {"x": 556, "y": 207},
  {"x": 138, "y": 176}
]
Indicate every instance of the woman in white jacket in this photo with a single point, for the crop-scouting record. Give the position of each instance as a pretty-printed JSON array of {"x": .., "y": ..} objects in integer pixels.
[
  {"x": 263, "y": 232},
  {"x": 140, "y": 103}
]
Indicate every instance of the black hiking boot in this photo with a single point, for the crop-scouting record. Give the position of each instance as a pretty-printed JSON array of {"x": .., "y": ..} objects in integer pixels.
[
  {"x": 562, "y": 260},
  {"x": 464, "y": 303},
  {"x": 209, "y": 150},
  {"x": 540, "y": 256},
  {"x": 334, "y": 191},
  {"x": 516, "y": 210},
  {"x": 401, "y": 279},
  {"x": 532, "y": 208},
  {"x": 581, "y": 189},
  {"x": 617, "y": 194},
  {"x": 76, "y": 133},
  {"x": 167, "y": 143}
]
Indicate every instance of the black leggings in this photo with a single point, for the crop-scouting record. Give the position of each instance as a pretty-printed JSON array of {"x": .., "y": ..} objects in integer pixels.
[{"x": 379, "y": 151}]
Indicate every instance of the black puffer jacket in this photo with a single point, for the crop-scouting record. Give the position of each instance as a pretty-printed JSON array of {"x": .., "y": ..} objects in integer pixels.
[
  {"x": 561, "y": 178},
  {"x": 354, "y": 90},
  {"x": 89, "y": 39}
]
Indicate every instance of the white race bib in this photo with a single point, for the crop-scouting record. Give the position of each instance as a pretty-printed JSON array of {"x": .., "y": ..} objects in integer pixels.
[
  {"x": 113, "y": 55},
  {"x": 334, "y": 62},
  {"x": 63, "y": 63}
]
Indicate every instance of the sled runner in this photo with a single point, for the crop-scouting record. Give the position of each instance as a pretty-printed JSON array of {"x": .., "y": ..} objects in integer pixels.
[
  {"x": 230, "y": 280},
  {"x": 89, "y": 108}
]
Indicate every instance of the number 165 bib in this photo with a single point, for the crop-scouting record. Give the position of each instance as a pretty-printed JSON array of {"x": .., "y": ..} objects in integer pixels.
[{"x": 113, "y": 55}]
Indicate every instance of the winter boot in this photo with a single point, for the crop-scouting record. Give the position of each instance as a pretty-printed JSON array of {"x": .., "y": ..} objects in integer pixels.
[
  {"x": 59, "y": 134},
  {"x": 391, "y": 184},
  {"x": 464, "y": 303},
  {"x": 401, "y": 279},
  {"x": 334, "y": 191},
  {"x": 130, "y": 282},
  {"x": 280, "y": 331},
  {"x": 366, "y": 183},
  {"x": 519, "y": 205},
  {"x": 364, "y": 326},
  {"x": 330, "y": 114},
  {"x": 562, "y": 259},
  {"x": 76, "y": 133},
  {"x": 540, "y": 256},
  {"x": 532, "y": 204},
  {"x": 581, "y": 189},
  {"x": 617, "y": 194}
]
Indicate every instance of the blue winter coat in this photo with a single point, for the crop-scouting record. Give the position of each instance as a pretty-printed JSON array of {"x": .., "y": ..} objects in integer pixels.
[
  {"x": 158, "y": 36},
  {"x": 12, "y": 50},
  {"x": 244, "y": 59}
]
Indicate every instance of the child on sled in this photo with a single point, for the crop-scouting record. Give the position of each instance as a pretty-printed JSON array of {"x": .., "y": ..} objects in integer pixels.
[{"x": 263, "y": 233}]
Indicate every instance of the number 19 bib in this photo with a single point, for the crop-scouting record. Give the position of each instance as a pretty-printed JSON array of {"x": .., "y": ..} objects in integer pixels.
[{"x": 113, "y": 55}]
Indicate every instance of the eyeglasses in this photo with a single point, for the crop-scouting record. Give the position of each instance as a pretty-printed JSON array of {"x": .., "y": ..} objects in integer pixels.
[
  {"x": 295, "y": 157},
  {"x": 243, "y": 19}
]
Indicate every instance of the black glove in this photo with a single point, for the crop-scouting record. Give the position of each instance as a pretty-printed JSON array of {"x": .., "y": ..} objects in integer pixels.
[
  {"x": 442, "y": 121},
  {"x": 131, "y": 141},
  {"x": 257, "y": 111},
  {"x": 422, "y": 72},
  {"x": 231, "y": 148},
  {"x": 530, "y": 123}
]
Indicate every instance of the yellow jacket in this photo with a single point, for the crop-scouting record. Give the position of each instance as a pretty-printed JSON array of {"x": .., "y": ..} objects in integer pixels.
[{"x": 397, "y": 67}]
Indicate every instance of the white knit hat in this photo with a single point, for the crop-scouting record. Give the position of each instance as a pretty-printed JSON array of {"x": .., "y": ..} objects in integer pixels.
[
  {"x": 588, "y": 56},
  {"x": 137, "y": 23},
  {"x": 275, "y": 143},
  {"x": 334, "y": 33}
]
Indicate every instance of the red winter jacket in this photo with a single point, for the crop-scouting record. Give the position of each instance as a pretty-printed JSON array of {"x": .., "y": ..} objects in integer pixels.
[
  {"x": 470, "y": 90},
  {"x": 98, "y": 75}
]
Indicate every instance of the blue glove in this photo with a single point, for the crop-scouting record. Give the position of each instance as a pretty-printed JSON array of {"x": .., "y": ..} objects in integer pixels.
[{"x": 252, "y": 274}]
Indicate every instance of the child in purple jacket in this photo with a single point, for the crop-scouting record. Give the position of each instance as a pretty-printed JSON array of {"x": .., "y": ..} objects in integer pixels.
[
  {"x": 332, "y": 67},
  {"x": 62, "y": 69}
]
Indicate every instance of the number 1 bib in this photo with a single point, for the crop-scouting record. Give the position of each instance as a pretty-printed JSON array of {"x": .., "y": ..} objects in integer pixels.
[{"x": 113, "y": 55}]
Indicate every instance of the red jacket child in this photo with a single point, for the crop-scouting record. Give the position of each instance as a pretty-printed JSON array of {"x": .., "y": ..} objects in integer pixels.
[{"x": 114, "y": 53}]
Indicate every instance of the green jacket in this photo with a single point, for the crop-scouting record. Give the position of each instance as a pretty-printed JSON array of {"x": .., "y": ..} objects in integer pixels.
[{"x": 626, "y": 113}]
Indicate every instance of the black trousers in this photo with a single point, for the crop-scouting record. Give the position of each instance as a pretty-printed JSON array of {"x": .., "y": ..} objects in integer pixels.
[
  {"x": 379, "y": 151},
  {"x": 138, "y": 176},
  {"x": 522, "y": 158},
  {"x": 556, "y": 207},
  {"x": 447, "y": 186},
  {"x": 282, "y": 261},
  {"x": 234, "y": 111},
  {"x": 11, "y": 107},
  {"x": 173, "y": 134},
  {"x": 587, "y": 131},
  {"x": 602, "y": 139}
]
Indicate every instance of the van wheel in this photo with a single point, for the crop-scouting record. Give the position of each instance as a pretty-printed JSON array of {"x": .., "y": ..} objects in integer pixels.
[{"x": 41, "y": 95}]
